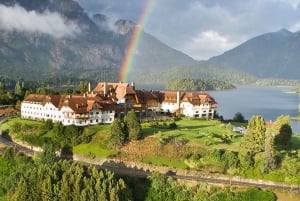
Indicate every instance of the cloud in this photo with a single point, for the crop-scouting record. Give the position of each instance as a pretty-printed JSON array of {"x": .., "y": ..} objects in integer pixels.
[
  {"x": 293, "y": 3},
  {"x": 180, "y": 24},
  {"x": 17, "y": 18},
  {"x": 205, "y": 44}
]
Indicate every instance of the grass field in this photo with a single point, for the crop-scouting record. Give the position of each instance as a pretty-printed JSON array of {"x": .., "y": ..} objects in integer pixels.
[
  {"x": 195, "y": 132},
  {"x": 98, "y": 145}
]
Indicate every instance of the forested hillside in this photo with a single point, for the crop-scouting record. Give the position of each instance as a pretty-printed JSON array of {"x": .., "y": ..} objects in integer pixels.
[{"x": 198, "y": 85}]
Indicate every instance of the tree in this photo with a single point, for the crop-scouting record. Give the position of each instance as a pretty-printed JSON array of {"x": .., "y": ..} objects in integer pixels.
[
  {"x": 238, "y": 117},
  {"x": 47, "y": 156},
  {"x": 160, "y": 189},
  {"x": 284, "y": 136},
  {"x": 270, "y": 153},
  {"x": 18, "y": 89},
  {"x": 133, "y": 126},
  {"x": 254, "y": 139},
  {"x": 118, "y": 135},
  {"x": 82, "y": 87},
  {"x": 283, "y": 130}
]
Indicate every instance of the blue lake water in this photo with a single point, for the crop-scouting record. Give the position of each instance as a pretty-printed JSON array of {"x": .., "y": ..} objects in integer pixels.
[{"x": 270, "y": 102}]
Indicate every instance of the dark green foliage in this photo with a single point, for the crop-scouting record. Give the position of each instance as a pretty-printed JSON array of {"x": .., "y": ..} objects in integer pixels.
[
  {"x": 133, "y": 126},
  {"x": 291, "y": 169},
  {"x": 58, "y": 181},
  {"x": 246, "y": 159},
  {"x": 216, "y": 155},
  {"x": 16, "y": 127},
  {"x": 162, "y": 189},
  {"x": 201, "y": 71},
  {"x": 172, "y": 125},
  {"x": 254, "y": 139},
  {"x": 82, "y": 87},
  {"x": 257, "y": 195},
  {"x": 284, "y": 135},
  {"x": 118, "y": 133},
  {"x": 47, "y": 156},
  {"x": 282, "y": 129},
  {"x": 139, "y": 187},
  {"x": 270, "y": 152},
  {"x": 198, "y": 84},
  {"x": 48, "y": 124},
  {"x": 238, "y": 117},
  {"x": 69, "y": 135},
  {"x": 230, "y": 159}
]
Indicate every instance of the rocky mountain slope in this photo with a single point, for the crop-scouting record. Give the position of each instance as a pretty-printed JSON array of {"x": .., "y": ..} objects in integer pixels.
[{"x": 36, "y": 51}]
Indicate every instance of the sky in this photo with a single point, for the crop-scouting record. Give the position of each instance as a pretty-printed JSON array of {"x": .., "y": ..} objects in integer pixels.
[
  {"x": 204, "y": 28},
  {"x": 17, "y": 18}
]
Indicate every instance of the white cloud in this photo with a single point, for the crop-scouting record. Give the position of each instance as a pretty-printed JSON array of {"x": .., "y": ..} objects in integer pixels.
[
  {"x": 177, "y": 23},
  {"x": 207, "y": 44},
  {"x": 17, "y": 18},
  {"x": 293, "y": 3}
]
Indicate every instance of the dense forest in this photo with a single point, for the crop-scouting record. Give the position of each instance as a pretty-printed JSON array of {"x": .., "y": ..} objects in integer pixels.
[
  {"x": 190, "y": 84},
  {"x": 46, "y": 178}
]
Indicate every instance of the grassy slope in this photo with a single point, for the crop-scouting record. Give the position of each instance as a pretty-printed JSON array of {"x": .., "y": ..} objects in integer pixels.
[{"x": 166, "y": 147}]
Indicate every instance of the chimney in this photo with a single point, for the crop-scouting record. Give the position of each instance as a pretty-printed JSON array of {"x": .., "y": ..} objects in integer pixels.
[
  {"x": 132, "y": 85},
  {"x": 178, "y": 99},
  {"x": 89, "y": 87},
  {"x": 105, "y": 89}
]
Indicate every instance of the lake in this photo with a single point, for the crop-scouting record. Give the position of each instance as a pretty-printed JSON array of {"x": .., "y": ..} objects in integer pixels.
[{"x": 270, "y": 102}]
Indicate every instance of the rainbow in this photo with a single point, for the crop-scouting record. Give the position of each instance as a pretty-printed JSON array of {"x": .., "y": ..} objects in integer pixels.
[{"x": 134, "y": 41}]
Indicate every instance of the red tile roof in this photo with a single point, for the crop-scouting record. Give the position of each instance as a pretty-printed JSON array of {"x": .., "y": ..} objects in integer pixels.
[{"x": 119, "y": 89}]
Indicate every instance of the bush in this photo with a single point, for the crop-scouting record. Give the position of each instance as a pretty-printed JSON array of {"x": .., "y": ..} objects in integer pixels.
[{"x": 172, "y": 125}]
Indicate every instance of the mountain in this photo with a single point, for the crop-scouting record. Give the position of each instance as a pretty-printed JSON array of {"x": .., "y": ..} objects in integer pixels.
[
  {"x": 269, "y": 55},
  {"x": 82, "y": 46}
]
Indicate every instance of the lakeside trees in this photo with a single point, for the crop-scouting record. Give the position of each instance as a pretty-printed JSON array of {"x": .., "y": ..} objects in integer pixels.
[{"x": 198, "y": 84}]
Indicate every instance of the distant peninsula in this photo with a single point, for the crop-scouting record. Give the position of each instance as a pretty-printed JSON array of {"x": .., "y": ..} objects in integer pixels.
[{"x": 192, "y": 84}]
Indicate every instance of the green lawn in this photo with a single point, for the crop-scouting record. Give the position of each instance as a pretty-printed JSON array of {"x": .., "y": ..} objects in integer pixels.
[
  {"x": 92, "y": 149},
  {"x": 7, "y": 124},
  {"x": 98, "y": 146},
  {"x": 203, "y": 133},
  {"x": 161, "y": 161}
]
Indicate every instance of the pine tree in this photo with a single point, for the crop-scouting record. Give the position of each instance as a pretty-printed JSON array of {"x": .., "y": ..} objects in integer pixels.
[
  {"x": 47, "y": 156},
  {"x": 283, "y": 130},
  {"x": 254, "y": 139},
  {"x": 270, "y": 153},
  {"x": 21, "y": 191},
  {"x": 133, "y": 126},
  {"x": 18, "y": 89},
  {"x": 118, "y": 135}
]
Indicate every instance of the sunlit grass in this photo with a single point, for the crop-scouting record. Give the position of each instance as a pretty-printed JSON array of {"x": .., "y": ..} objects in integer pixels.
[
  {"x": 93, "y": 149},
  {"x": 162, "y": 161}
]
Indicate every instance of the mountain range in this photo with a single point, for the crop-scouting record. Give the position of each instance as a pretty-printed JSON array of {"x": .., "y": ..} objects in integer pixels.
[
  {"x": 95, "y": 46},
  {"x": 91, "y": 47},
  {"x": 273, "y": 54}
]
